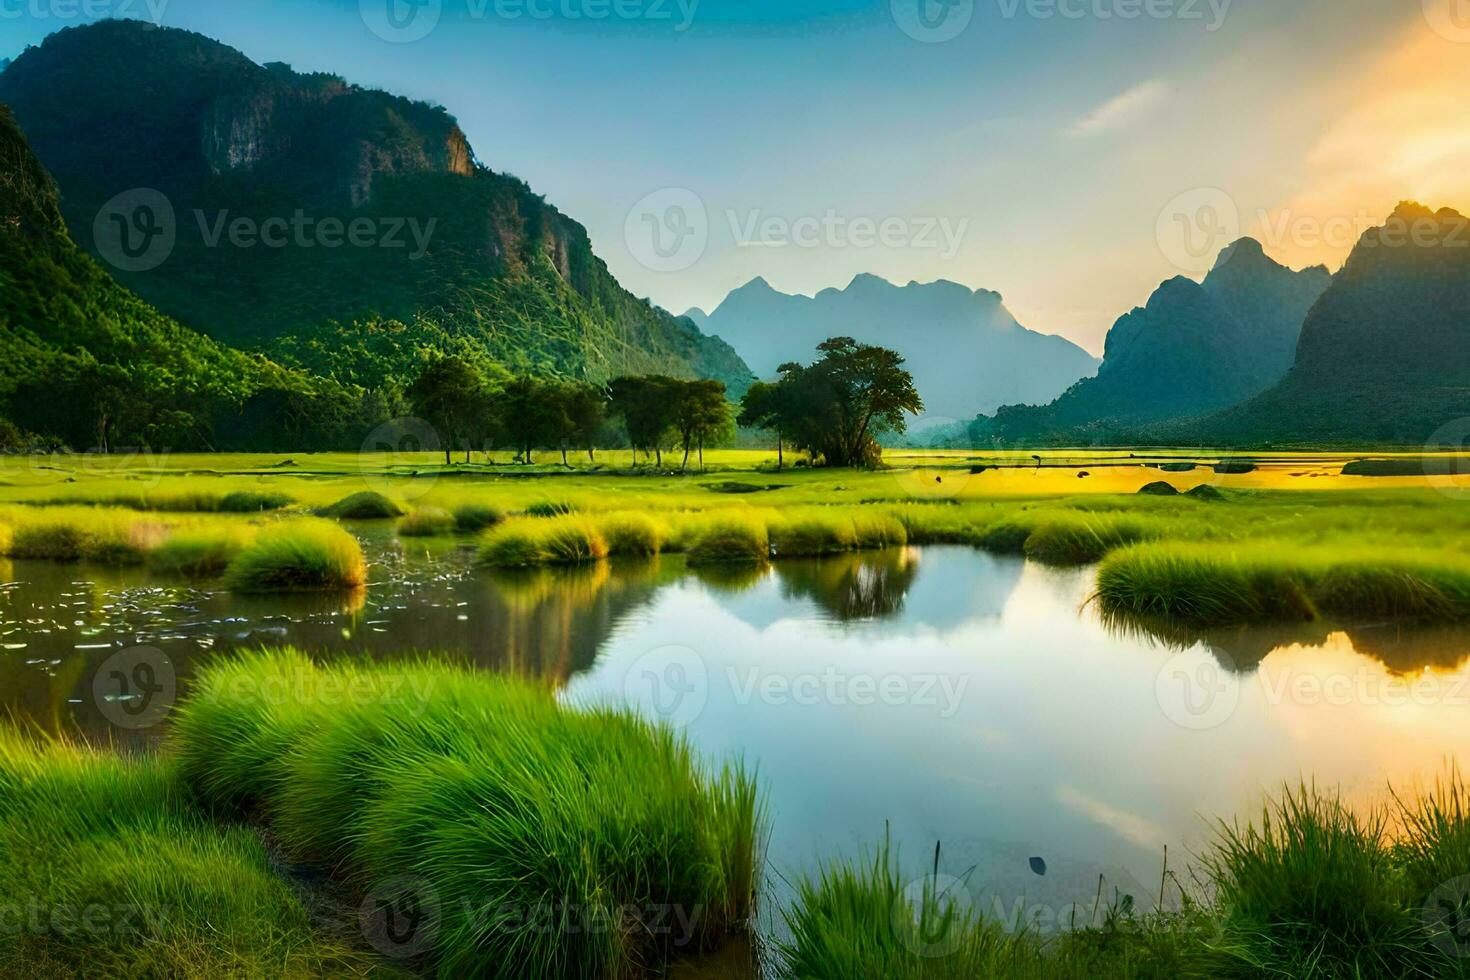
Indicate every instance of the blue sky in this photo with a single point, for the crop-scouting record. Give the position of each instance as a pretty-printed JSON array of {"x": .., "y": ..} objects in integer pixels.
[{"x": 1038, "y": 151}]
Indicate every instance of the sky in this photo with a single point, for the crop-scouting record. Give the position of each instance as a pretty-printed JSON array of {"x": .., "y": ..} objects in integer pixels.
[{"x": 1069, "y": 154}]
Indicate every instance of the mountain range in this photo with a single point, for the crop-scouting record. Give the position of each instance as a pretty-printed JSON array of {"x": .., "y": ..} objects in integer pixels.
[
  {"x": 449, "y": 247},
  {"x": 966, "y": 351},
  {"x": 1195, "y": 348}
]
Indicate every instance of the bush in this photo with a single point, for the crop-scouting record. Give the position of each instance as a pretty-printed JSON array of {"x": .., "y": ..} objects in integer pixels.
[
  {"x": 727, "y": 537},
  {"x": 300, "y": 556},
  {"x": 550, "y": 541},
  {"x": 485, "y": 793},
  {"x": 474, "y": 518},
  {"x": 632, "y": 533},
  {"x": 200, "y": 552},
  {"x": 426, "y": 522},
  {"x": 364, "y": 506}
]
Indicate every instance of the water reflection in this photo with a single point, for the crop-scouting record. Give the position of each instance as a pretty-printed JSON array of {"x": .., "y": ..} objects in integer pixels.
[{"x": 863, "y": 586}]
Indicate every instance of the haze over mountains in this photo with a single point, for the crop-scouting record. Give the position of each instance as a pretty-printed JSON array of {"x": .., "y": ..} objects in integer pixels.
[
  {"x": 967, "y": 353},
  {"x": 454, "y": 253}
]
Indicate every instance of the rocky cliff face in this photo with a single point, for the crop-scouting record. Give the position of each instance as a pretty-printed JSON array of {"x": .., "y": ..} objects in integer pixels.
[{"x": 228, "y": 140}]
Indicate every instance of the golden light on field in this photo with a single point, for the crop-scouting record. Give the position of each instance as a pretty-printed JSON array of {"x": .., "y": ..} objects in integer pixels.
[{"x": 1402, "y": 137}]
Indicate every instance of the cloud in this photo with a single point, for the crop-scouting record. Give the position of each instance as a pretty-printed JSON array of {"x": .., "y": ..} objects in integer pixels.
[{"x": 1120, "y": 109}]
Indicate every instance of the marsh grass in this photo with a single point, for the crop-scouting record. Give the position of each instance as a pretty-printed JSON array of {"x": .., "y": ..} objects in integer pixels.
[
  {"x": 101, "y": 536},
  {"x": 427, "y": 522},
  {"x": 726, "y": 536},
  {"x": 122, "y": 876},
  {"x": 570, "y": 540},
  {"x": 365, "y": 505},
  {"x": 632, "y": 533},
  {"x": 504, "y": 807},
  {"x": 299, "y": 556},
  {"x": 812, "y": 534},
  {"x": 472, "y": 518},
  {"x": 202, "y": 552},
  {"x": 878, "y": 529},
  {"x": 551, "y": 508},
  {"x": 1081, "y": 539}
]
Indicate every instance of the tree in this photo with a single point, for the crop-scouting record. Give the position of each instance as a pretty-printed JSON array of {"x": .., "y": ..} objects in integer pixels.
[
  {"x": 761, "y": 409},
  {"x": 646, "y": 405},
  {"x": 700, "y": 412},
  {"x": 532, "y": 414},
  {"x": 585, "y": 409},
  {"x": 450, "y": 395}
]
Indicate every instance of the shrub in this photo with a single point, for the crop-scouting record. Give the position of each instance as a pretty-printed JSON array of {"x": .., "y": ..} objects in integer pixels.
[
  {"x": 474, "y": 518},
  {"x": 252, "y": 502},
  {"x": 363, "y": 506},
  {"x": 86, "y": 830},
  {"x": 727, "y": 537},
  {"x": 551, "y": 541},
  {"x": 812, "y": 534},
  {"x": 200, "y": 552},
  {"x": 299, "y": 556},
  {"x": 426, "y": 522},
  {"x": 487, "y": 794},
  {"x": 632, "y": 533}
]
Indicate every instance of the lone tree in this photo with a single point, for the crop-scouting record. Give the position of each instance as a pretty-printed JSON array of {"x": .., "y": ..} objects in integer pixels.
[
  {"x": 836, "y": 407},
  {"x": 584, "y": 408},
  {"x": 761, "y": 409},
  {"x": 450, "y": 395},
  {"x": 700, "y": 412},
  {"x": 646, "y": 404}
]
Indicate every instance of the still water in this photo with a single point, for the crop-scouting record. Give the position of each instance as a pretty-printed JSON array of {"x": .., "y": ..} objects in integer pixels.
[{"x": 939, "y": 695}]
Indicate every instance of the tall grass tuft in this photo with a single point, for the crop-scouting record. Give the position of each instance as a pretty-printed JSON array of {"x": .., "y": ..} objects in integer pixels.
[
  {"x": 103, "y": 537},
  {"x": 299, "y": 556},
  {"x": 253, "y": 502},
  {"x": 632, "y": 533},
  {"x": 131, "y": 880},
  {"x": 202, "y": 552},
  {"x": 726, "y": 536},
  {"x": 1081, "y": 539},
  {"x": 512, "y": 814},
  {"x": 810, "y": 534},
  {"x": 426, "y": 522},
  {"x": 551, "y": 508},
  {"x": 525, "y": 543},
  {"x": 365, "y": 505},
  {"x": 474, "y": 518},
  {"x": 878, "y": 530}
]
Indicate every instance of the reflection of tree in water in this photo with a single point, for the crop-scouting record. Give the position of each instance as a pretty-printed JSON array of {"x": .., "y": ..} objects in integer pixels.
[
  {"x": 732, "y": 577},
  {"x": 855, "y": 586},
  {"x": 1401, "y": 647}
]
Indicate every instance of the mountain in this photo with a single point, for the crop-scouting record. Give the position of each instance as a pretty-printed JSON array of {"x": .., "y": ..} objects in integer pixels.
[
  {"x": 88, "y": 363},
  {"x": 967, "y": 353},
  {"x": 1384, "y": 355},
  {"x": 307, "y": 211},
  {"x": 1195, "y": 348}
]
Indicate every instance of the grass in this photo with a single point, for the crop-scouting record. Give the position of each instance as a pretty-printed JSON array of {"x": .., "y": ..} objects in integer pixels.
[
  {"x": 1227, "y": 585},
  {"x": 253, "y": 502},
  {"x": 108, "y": 870},
  {"x": 427, "y": 522},
  {"x": 569, "y": 540},
  {"x": 472, "y": 518},
  {"x": 299, "y": 556},
  {"x": 1081, "y": 539},
  {"x": 104, "y": 537},
  {"x": 511, "y": 813},
  {"x": 733, "y": 536},
  {"x": 879, "y": 529},
  {"x": 200, "y": 552},
  {"x": 365, "y": 505},
  {"x": 811, "y": 534},
  {"x": 632, "y": 533},
  {"x": 551, "y": 508}
]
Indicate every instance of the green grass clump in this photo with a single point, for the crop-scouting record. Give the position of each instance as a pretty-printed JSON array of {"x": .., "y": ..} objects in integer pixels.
[
  {"x": 1081, "y": 539},
  {"x": 127, "y": 878},
  {"x": 100, "y": 536},
  {"x": 363, "y": 506},
  {"x": 878, "y": 530},
  {"x": 253, "y": 502},
  {"x": 426, "y": 522},
  {"x": 299, "y": 556},
  {"x": 632, "y": 533},
  {"x": 567, "y": 540},
  {"x": 474, "y": 518},
  {"x": 726, "y": 537},
  {"x": 812, "y": 534},
  {"x": 202, "y": 552},
  {"x": 551, "y": 508},
  {"x": 499, "y": 804},
  {"x": 1312, "y": 891}
]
